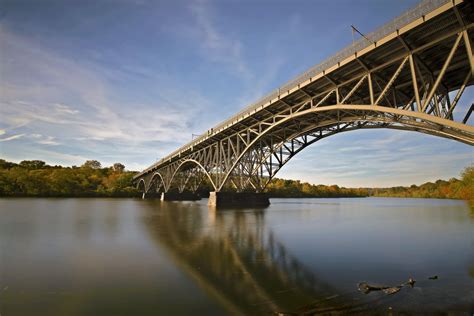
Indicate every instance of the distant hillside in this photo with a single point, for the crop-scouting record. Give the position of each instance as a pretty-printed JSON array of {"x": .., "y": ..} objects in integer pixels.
[
  {"x": 453, "y": 189},
  {"x": 296, "y": 188}
]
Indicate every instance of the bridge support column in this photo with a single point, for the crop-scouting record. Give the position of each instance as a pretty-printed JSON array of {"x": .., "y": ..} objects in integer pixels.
[
  {"x": 174, "y": 196},
  {"x": 243, "y": 199},
  {"x": 150, "y": 195}
]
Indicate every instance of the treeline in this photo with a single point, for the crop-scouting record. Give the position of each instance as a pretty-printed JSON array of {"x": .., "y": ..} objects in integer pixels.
[
  {"x": 453, "y": 189},
  {"x": 298, "y": 189},
  {"x": 462, "y": 189},
  {"x": 36, "y": 178}
]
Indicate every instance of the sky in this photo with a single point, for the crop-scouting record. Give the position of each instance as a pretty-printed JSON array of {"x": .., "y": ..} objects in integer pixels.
[{"x": 131, "y": 80}]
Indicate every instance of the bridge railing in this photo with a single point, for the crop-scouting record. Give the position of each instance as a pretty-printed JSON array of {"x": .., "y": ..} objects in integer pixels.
[{"x": 406, "y": 18}]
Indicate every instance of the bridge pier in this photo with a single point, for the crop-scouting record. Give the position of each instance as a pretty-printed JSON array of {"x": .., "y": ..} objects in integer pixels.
[
  {"x": 150, "y": 195},
  {"x": 241, "y": 199},
  {"x": 175, "y": 196}
]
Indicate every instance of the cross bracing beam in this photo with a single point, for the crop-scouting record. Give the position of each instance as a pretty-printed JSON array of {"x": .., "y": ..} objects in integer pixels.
[
  {"x": 401, "y": 81},
  {"x": 396, "y": 118}
]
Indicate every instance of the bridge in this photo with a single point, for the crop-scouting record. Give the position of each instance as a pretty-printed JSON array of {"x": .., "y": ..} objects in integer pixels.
[{"x": 410, "y": 74}]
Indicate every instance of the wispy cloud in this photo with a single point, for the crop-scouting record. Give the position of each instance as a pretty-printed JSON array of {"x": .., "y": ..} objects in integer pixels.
[
  {"x": 48, "y": 140},
  {"x": 215, "y": 44},
  {"x": 65, "y": 109},
  {"x": 44, "y": 93},
  {"x": 13, "y": 137},
  {"x": 51, "y": 157}
]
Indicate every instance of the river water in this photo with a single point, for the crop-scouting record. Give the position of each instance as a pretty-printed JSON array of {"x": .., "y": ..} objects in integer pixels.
[{"x": 146, "y": 257}]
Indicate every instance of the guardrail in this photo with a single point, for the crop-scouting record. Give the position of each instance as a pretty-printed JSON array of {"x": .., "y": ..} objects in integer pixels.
[{"x": 407, "y": 17}]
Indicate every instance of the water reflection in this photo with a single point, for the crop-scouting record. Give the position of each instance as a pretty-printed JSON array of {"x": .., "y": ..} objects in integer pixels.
[
  {"x": 135, "y": 257},
  {"x": 239, "y": 261},
  {"x": 87, "y": 257}
]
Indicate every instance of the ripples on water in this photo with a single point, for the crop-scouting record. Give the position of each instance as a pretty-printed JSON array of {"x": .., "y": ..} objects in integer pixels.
[{"x": 302, "y": 256}]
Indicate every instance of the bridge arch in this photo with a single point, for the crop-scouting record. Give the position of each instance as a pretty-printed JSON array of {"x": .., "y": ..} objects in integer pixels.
[
  {"x": 152, "y": 179},
  {"x": 391, "y": 118},
  {"x": 190, "y": 162},
  {"x": 141, "y": 185}
]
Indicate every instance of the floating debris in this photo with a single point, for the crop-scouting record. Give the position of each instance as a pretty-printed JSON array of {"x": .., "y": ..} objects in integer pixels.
[
  {"x": 434, "y": 277},
  {"x": 411, "y": 282},
  {"x": 392, "y": 290},
  {"x": 366, "y": 288}
]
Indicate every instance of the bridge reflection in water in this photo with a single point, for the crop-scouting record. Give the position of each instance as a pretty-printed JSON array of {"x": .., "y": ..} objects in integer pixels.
[{"x": 237, "y": 260}]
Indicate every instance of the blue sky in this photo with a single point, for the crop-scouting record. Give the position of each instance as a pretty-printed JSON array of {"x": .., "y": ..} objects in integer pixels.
[{"x": 131, "y": 80}]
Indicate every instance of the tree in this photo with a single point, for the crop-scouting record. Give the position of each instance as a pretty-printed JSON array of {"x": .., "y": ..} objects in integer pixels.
[
  {"x": 468, "y": 176},
  {"x": 32, "y": 164},
  {"x": 118, "y": 167},
  {"x": 6, "y": 164},
  {"x": 35, "y": 178},
  {"x": 66, "y": 182},
  {"x": 93, "y": 164},
  {"x": 467, "y": 191}
]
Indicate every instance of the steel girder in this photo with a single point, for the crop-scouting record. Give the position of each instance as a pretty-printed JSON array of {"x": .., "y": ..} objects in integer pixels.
[
  {"x": 404, "y": 92},
  {"x": 250, "y": 159}
]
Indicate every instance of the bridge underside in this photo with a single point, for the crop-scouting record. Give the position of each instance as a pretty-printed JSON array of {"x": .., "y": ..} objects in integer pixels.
[
  {"x": 267, "y": 152},
  {"x": 414, "y": 80}
]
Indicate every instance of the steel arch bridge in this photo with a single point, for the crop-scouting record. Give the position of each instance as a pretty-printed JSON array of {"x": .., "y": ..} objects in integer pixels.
[{"x": 410, "y": 74}]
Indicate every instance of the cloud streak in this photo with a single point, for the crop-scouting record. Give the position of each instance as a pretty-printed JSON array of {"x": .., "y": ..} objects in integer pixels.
[
  {"x": 10, "y": 138},
  {"x": 47, "y": 94},
  {"x": 215, "y": 45}
]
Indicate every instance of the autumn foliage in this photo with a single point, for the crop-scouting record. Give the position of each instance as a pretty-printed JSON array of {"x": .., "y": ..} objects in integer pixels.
[
  {"x": 453, "y": 189},
  {"x": 36, "y": 178}
]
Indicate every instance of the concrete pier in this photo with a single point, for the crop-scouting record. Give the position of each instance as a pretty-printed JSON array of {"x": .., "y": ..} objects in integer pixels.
[
  {"x": 234, "y": 199},
  {"x": 151, "y": 195},
  {"x": 175, "y": 196}
]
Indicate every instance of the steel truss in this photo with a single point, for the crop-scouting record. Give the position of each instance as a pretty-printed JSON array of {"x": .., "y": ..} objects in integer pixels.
[{"x": 404, "y": 92}]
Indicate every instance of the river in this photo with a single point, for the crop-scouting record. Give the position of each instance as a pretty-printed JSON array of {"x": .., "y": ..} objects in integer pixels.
[{"x": 146, "y": 257}]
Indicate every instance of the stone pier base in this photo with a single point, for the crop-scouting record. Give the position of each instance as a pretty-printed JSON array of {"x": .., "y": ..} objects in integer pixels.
[
  {"x": 233, "y": 199},
  {"x": 174, "y": 196}
]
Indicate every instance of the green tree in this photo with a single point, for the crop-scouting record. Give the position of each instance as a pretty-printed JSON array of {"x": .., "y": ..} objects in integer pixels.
[
  {"x": 93, "y": 164},
  {"x": 118, "y": 167},
  {"x": 6, "y": 164},
  {"x": 467, "y": 180},
  {"x": 32, "y": 164}
]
